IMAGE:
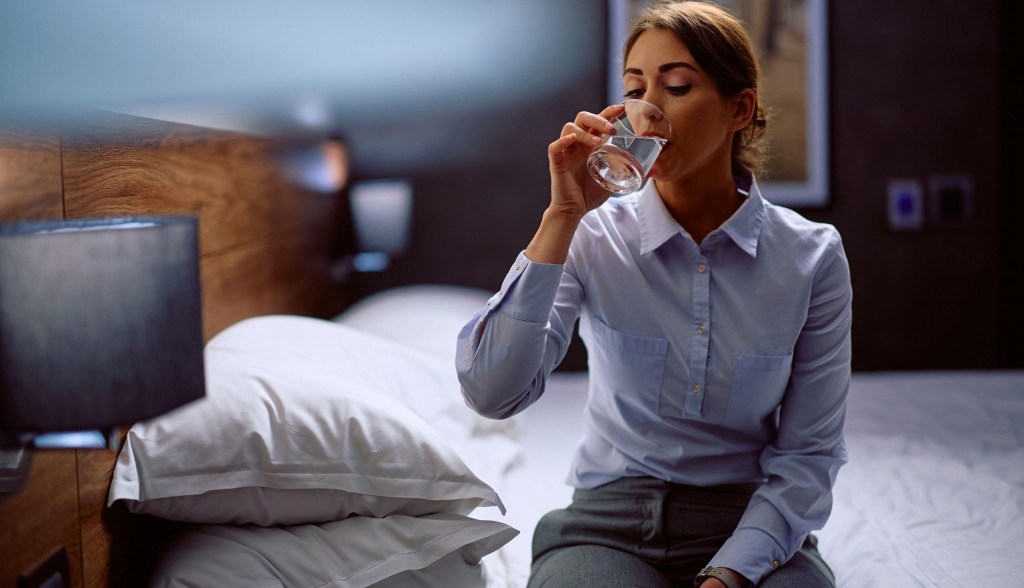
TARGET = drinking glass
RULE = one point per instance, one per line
(622, 162)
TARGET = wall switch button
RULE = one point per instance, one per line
(906, 205)
(950, 199)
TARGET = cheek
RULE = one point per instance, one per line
(698, 138)
(701, 125)
(701, 120)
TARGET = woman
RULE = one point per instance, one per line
(718, 333)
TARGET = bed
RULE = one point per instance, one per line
(333, 447)
(933, 494)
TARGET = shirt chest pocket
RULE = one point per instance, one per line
(758, 385)
(633, 366)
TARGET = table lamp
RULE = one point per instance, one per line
(382, 221)
(100, 325)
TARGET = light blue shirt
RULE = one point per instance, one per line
(717, 363)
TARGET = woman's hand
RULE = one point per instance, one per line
(573, 192)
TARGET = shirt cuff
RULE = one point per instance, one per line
(529, 290)
(751, 552)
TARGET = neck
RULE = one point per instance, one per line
(701, 204)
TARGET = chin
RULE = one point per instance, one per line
(657, 173)
(661, 170)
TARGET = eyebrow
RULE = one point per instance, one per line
(663, 68)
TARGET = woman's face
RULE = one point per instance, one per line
(661, 70)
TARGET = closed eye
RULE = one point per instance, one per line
(678, 90)
(637, 93)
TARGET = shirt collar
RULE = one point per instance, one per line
(656, 224)
(744, 227)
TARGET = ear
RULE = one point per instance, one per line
(744, 109)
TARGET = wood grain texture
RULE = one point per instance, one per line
(119, 549)
(254, 281)
(264, 244)
(95, 468)
(41, 518)
(30, 176)
(121, 165)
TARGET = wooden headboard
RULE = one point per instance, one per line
(264, 248)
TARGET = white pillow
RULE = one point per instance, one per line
(275, 443)
(420, 381)
(426, 317)
(450, 571)
(424, 384)
(441, 550)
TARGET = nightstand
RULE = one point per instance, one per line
(41, 518)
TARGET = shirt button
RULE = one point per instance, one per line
(516, 267)
(712, 236)
(701, 329)
(696, 389)
(775, 563)
(701, 268)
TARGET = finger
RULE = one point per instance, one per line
(581, 133)
(562, 143)
(593, 123)
(558, 147)
(613, 111)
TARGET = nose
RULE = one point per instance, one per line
(647, 119)
(651, 98)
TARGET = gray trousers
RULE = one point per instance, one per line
(649, 533)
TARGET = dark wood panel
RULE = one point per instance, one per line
(95, 468)
(289, 277)
(41, 518)
(30, 181)
(118, 165)
(905, 284)
(264, 243)
(119, 549)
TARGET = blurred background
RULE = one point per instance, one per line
(457, 100)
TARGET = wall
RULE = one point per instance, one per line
(1011, 209)
(913, 93)
(473, 215)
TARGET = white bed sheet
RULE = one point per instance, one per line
(934, 491)
(933, 494)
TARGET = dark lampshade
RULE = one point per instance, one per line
(100, 322)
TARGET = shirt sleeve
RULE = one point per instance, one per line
(507, 350)
(801, 465)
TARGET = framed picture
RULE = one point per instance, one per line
(790, 39)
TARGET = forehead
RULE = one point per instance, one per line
(655, 47)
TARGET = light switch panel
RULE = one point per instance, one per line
(906, 205)
(950, 199)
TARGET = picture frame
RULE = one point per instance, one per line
(790, 37)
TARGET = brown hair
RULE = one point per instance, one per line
(722, 47)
